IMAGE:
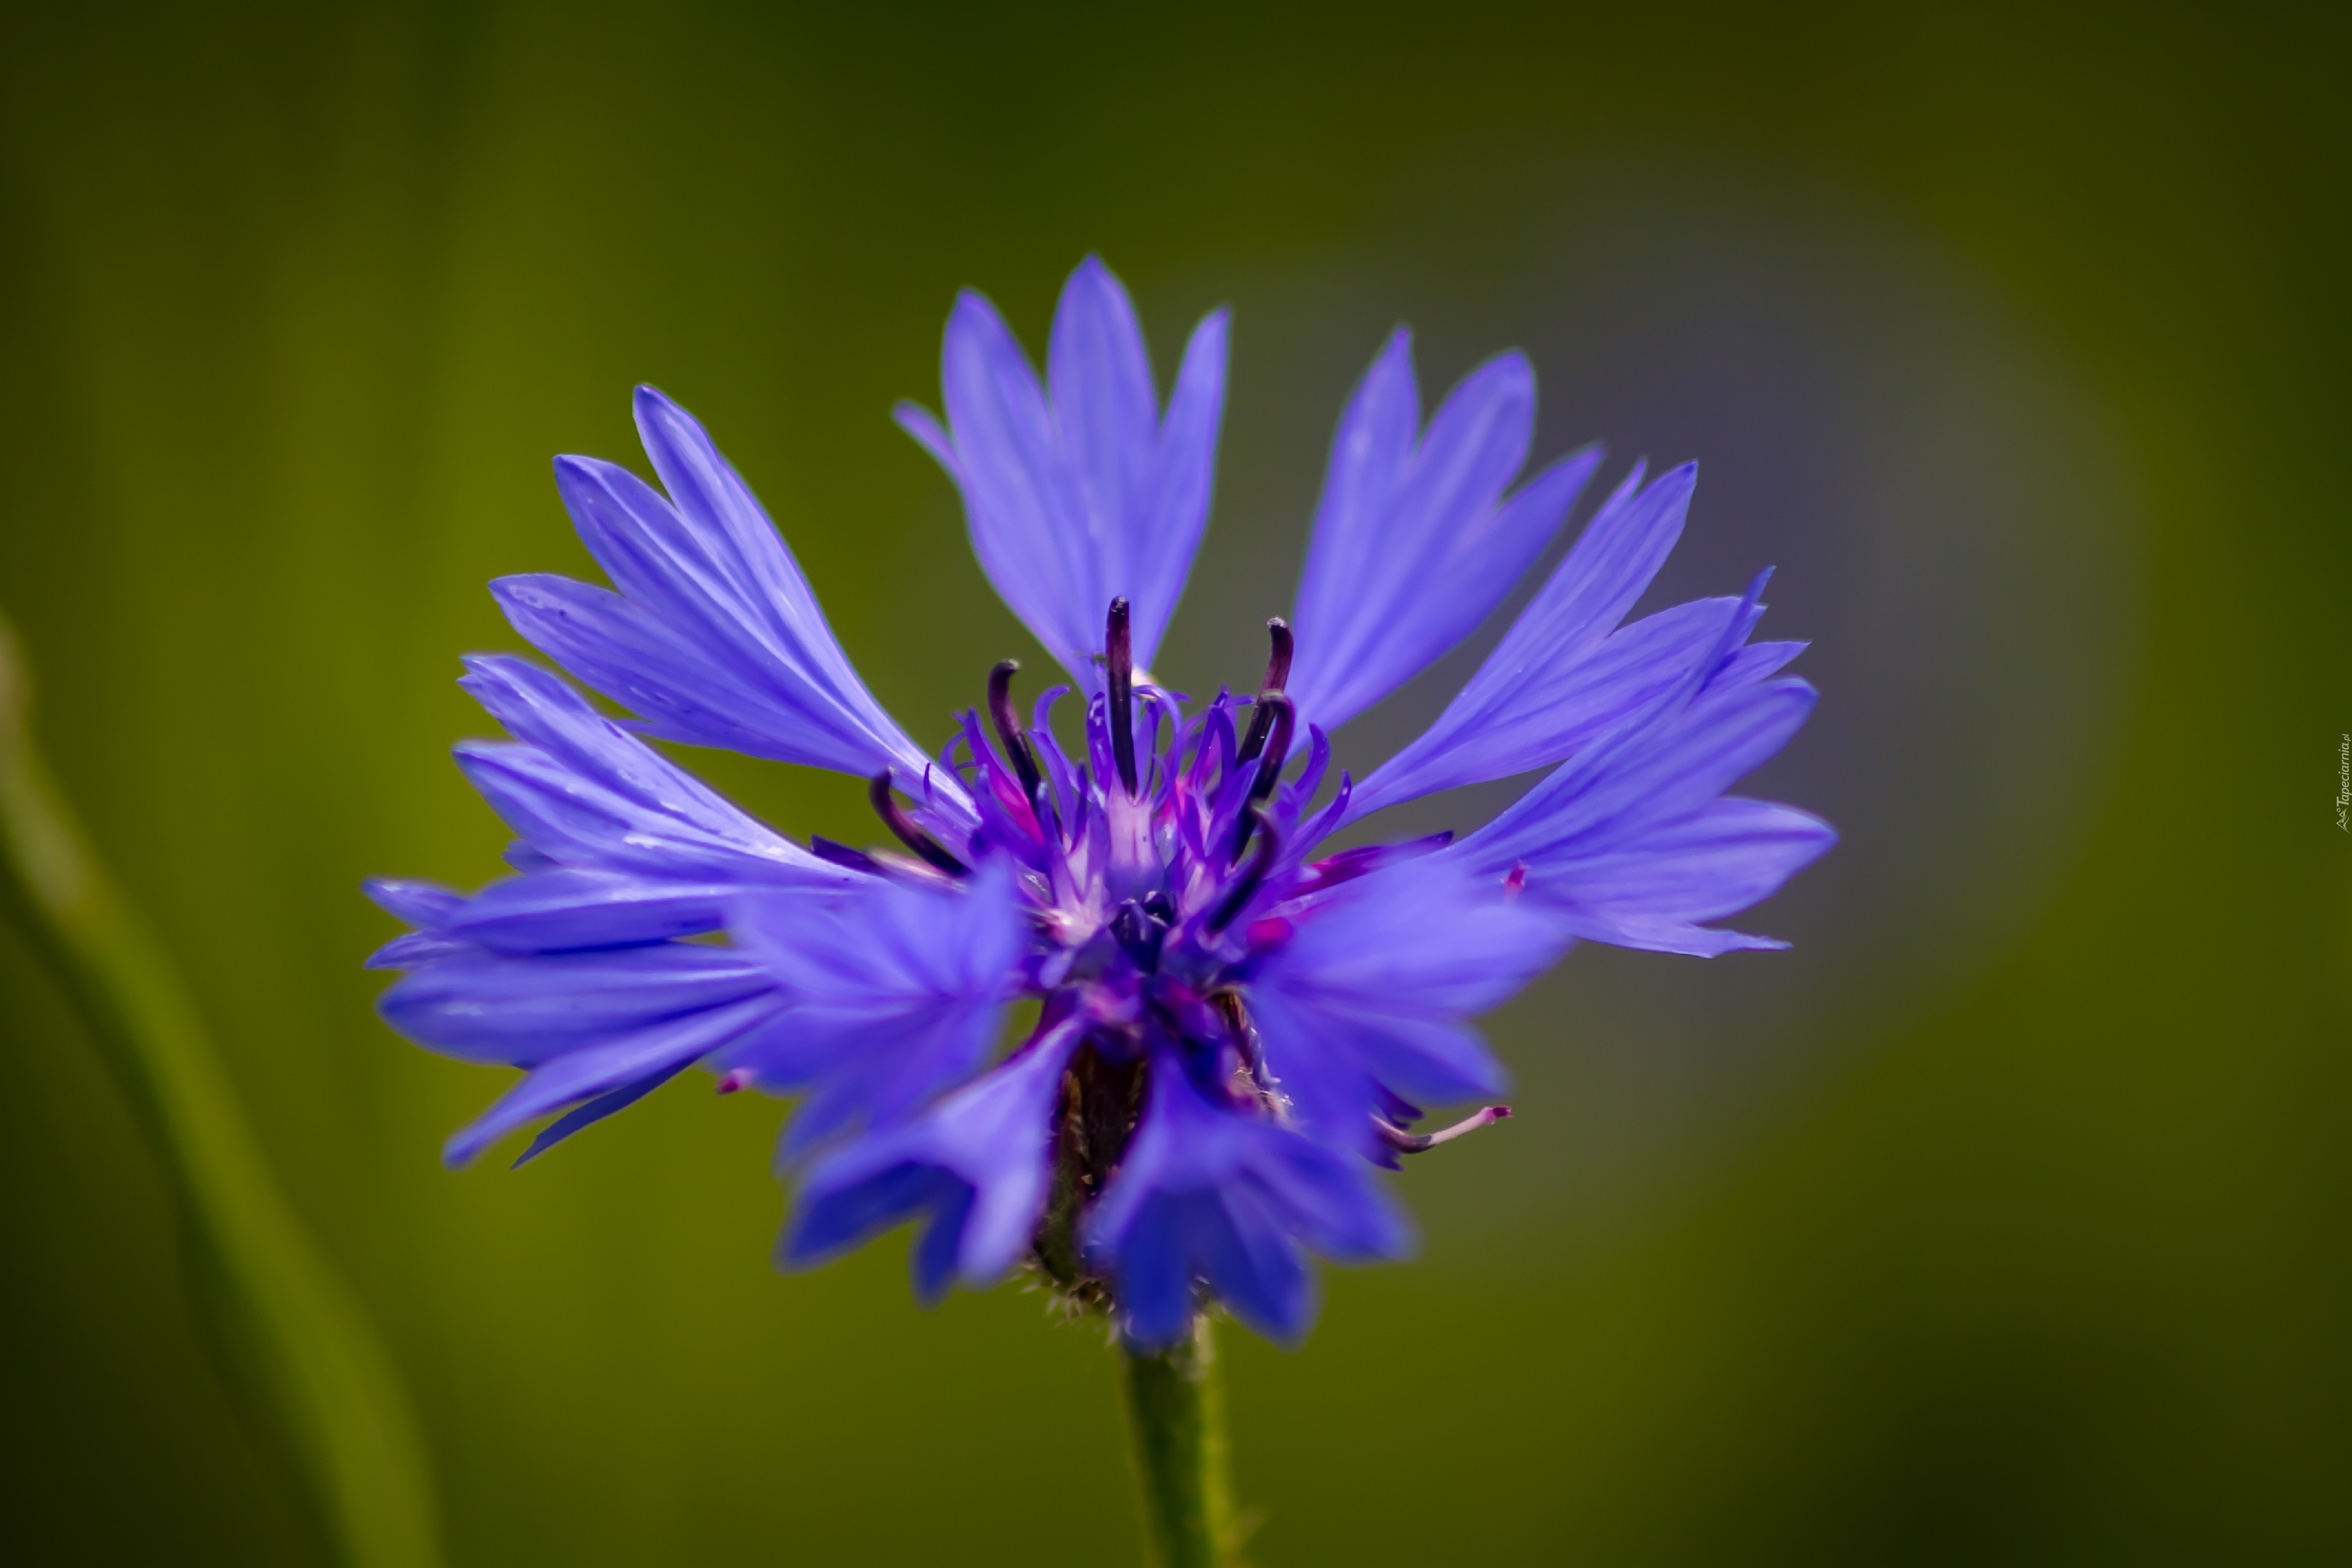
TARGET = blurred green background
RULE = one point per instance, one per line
(2005, 1222)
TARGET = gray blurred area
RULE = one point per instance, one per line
(1950, 526)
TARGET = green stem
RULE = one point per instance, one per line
(303, 1363)
(1176, 1408)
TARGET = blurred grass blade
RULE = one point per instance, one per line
(303, 1363)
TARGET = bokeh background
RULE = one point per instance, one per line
(2003, 1219)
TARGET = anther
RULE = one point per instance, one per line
(904, 829)
(1008, 729)
(1277, 676)
(1277, 665)
(1269, 766)
(1252, 876)
(1118, 663)
(1404, 1143)
(734, 1079)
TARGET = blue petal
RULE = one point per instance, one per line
(1185, 468)
(427, 905)
(619, 649)
(1028, 528)
(1103, 410)
(977, 1162)
(1210, 1193)
(1088, 494)
(714, 636)
(560, 910)
(1241, 1244)
(415, 949)
(1630, 839)
(1413, 543)
(565, 969)
(1336, 1056)
(1425, 934)
(418, 903)
(494, 1007)
(1651, 888)
(588, 795)
(1156, 1266)
(895, 994)
(860, 1201)
(521, 856)
(596, 1109)
(1670, 770)
(1371, 992)
(631, 1058)
(1559, 677)
(933, 1260)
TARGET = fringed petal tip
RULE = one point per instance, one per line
(463, 1147)
(1077, 487)
(594, 1111)
(466, 1145)
(710, 629)
(413, 950)
(419, 903)
(1415, 541)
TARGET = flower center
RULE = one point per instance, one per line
(1154, 869)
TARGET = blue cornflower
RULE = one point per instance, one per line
(1234, 1030)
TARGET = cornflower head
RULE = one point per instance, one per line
(1237, 1028)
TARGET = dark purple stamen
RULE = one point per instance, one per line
(1269, 766)
(1277, 745)
(1404, 1143)
(825, 850)
(1277, 664)
(904, 829)
(1119, 662)
(1277, 676)
(1246, 885)
(1008, 729)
